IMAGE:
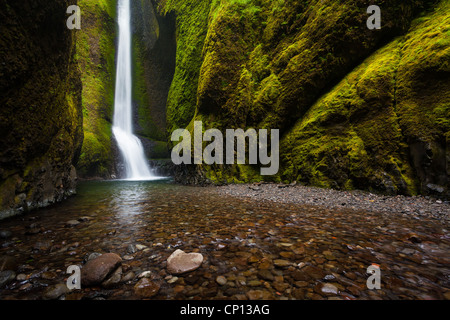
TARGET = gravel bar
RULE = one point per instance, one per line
(414, 206)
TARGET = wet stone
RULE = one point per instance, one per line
(42, 245)
(180, 262)
(314, 272)
(113, 280)
(5, 234)
(71, 223)
(131, 249)
(128, 276)
(282, 263)
(259, 295)
(7, 263)
(141, 247)
(6, 277)
(265, 275)
(172, 280)
(91, 256)
(48, 275)
(282, 251)
(25, 287)
(221, 280)
(145, 288)
(326, 289)
(96, 270)
(254, 283)
(56, 291)
(21, 277)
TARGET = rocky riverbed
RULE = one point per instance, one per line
(414, 207)
(125, 235)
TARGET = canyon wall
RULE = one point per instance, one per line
(40, 105)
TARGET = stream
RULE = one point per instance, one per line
(252, 249)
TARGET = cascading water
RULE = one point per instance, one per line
(130, 146)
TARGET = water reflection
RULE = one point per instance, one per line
(257, 246)
(130, 199)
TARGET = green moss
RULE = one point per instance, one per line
(192, 21)
(351, 138)
(423, 92)
(149, 127)
(354, 137)
(348, 109)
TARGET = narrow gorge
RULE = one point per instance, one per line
(361, 118)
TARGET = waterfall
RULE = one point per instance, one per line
(130, 146)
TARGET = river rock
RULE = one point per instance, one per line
(145, 288)
(6, 277)
(113, 280)
(221, 280)
(7, 263)
(91, 256)
(326, 289)
(48, 275)
(314, 272)
(131, 249)
(259, 295)
(180, 262)
(72, 223)
(282, 263)
(5, 234)
(97, 270)
(56, 291)
(265, 275)
(43, 245)
(128, 277)
(141, 247)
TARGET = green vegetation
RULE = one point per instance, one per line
(41, 119)
(357, 108)
(192, 23)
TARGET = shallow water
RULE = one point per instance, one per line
(263, 249)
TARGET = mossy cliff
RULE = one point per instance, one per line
(96, 59)
(96, 55)
(357, 108)
(40, 105)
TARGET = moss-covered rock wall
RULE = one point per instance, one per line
(40, 105)
(95, 55)
(357, 108)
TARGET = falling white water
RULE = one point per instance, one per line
(130, 146)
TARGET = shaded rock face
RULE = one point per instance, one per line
(154, 45)
(40, 114)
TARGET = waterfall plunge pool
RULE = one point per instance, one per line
(259, 249)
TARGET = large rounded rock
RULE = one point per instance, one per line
(181, 262)
(98, 269)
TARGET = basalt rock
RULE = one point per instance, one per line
(40, 97)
